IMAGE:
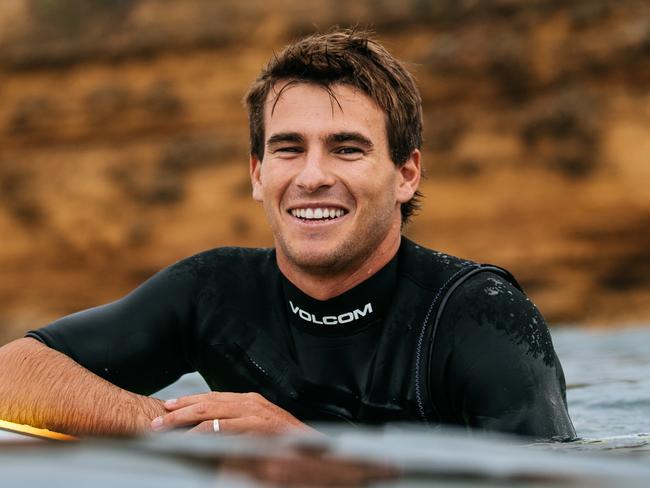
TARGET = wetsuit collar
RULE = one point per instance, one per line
(347, 313)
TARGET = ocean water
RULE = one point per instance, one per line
(608, 380)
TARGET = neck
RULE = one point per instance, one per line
(323, 286)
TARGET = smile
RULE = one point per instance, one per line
(317, 213)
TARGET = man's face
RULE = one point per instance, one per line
(330, 190)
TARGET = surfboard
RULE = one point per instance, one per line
(12, 432)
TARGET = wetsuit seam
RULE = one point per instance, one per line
(418, 351)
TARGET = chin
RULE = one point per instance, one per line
(317, 260)
(315, 257)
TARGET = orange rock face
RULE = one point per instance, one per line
(123, 142)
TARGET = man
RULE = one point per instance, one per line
(343, 320)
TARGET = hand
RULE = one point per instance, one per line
(238, 413)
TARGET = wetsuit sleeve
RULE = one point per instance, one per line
(139, 342)
(502, 373)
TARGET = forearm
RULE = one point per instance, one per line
(44, 388)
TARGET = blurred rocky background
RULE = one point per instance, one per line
(123, 141)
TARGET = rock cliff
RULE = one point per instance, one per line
(123, 141)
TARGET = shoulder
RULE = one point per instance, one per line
(225, 273)
(492, 311)
(223, 262)
(429, 268)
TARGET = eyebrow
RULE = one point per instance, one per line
(337, 138)
(349, 137)
(285, 137)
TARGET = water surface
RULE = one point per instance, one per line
(608, 379)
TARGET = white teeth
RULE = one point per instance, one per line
(317, 213)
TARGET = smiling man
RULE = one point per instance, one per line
(345, 319)
(330, 190)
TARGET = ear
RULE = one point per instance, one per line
(409, 177)
(256, 182)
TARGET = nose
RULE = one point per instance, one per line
(314, 173)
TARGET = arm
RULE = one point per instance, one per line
(85, 374)
(44, 388)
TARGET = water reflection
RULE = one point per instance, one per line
(309, 468)
(396, 456)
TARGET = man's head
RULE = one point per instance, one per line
(335, 130)
(346, 57)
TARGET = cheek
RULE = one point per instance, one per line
(274, 184)
(375, 186)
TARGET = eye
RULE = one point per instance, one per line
(349, 151)
(287, 150)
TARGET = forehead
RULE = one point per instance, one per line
(303, 107)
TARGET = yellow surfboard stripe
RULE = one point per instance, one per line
(34, 431)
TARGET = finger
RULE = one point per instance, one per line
(176, 403)
(232, 426)
(205, 427)
(196, 413)
(184, 401)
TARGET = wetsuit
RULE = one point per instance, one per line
(428, 338)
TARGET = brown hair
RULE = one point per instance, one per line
(351, 57)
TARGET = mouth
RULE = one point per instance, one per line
(317, 214)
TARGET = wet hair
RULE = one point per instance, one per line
(350, 57)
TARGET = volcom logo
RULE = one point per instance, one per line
(344, 318)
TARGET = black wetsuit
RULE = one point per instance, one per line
(428, 338)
